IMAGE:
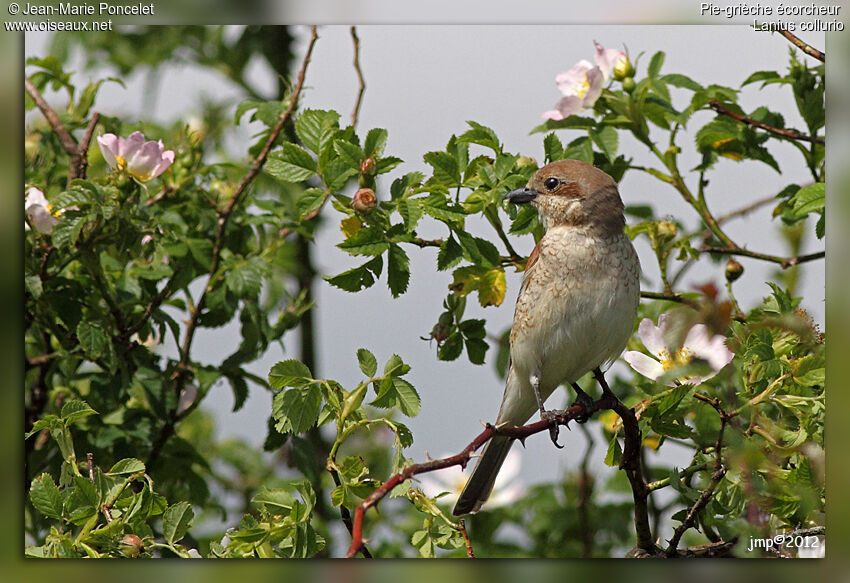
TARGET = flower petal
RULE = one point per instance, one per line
(132, 144)
(652, 336)
(109, 145)
(568, 106)
(147, 162)
(607, 59)
(595, 81)
(643, 364)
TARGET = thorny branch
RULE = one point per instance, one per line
(181, 373)
(631, 463)
(790, 134)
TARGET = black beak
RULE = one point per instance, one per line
(521, 195)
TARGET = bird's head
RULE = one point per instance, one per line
(573, 193)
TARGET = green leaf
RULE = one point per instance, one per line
(375, 142)
(348, 152)
(449, 255)
(451, 347)
(809, 199)
(553, 147)
(315, 128)
(309, 201)
(67, 231)
(482, 135)
(398, 270)
(276, 501)
(677, 80)
(292, 164)
(367, 361)
(809, 371)
(368, 241)
(176, 521)
(74, 410)
(606, 139)
(446, 169)
(45, 496)
(655, 64)
(126, 466)
(614, 455)
(244, 278)
(411, 211)
(408, 398)
(395, 367)
(289, 373)
(766, 76)
(357, 278)
(297, 409)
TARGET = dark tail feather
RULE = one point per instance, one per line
(480, 484)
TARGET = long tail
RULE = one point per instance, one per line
(480, 484)
(518, 405)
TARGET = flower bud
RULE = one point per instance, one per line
(666, 230)
(629, 84)
(364, 201)
(733, 270)
(368, 167)
(131, 546)
(623, 69)
(524, 161)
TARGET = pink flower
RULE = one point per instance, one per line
(697, 344)
(612, 62)
(582, 85)
(39, 211)
(140, 159)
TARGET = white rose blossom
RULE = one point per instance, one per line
(697, 344)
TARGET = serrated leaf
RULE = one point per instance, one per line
(606, 140)
(615, 453)
(176, 521)
(292, 164)
(411, 211)
(367, 361)
(350, 225)
(398, 270)
(553, 147)
(449, 255)
(809, 199)
(375, 142)
(482, 135)
(446, 169)
(677, 80)
(765, 76)
(315, 128)
(297, 409)
(490, 284)
(348, 152)
(407, 397)
(74, 410)
(368, 241)
(45, 496)
(289, 373)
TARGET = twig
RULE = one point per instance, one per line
(68, 143)
(672, 297)
(345, 515)
(362, 83)
(83, 148)
(182, 369)
(784, 262)
(803, 46)
(461, 524)
(790, 134)
(90, 460)
(719, 472)
(77, 153)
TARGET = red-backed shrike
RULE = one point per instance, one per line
(576, 307)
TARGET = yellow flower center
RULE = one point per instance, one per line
(681, 357)
(55, 213)
(121, 162)
(582, 87)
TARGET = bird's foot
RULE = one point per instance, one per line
(553, 429)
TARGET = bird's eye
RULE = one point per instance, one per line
(551, 183)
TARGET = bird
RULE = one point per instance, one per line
(576, 307)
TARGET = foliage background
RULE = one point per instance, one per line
(547, 99)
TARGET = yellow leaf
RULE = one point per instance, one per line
(350, 225)
(491, 291)
(719, 143)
